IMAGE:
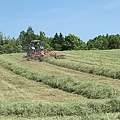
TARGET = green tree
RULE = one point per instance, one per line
(29, 35)
(56, 42)
(1, 49)
(26, 37)
(61, 41)
(73, 42)
(44, 41)
(114, 41)
(100, 42)
(42, 38)
(90, 44)
(1, 38)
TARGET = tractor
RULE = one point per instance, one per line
(36, 51)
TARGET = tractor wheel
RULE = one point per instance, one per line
(28, 59)
(40, 59)
(58, 57)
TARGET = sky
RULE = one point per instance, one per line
(85, 19)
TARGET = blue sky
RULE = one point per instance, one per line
(83, 18)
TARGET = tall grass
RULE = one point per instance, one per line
(66, 83)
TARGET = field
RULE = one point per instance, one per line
(84, 85)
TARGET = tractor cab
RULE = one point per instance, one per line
(35, 50)
(36, 45)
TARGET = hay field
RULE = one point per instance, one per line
(83, 85)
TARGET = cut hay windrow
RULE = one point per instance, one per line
(43, 109)
(92, 90)
(99, 62)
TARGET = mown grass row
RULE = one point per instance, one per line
(91, 90)
(92, 69)
(98, 62)
(42, 109)
(90, 117)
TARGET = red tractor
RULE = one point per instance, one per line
(36, 51)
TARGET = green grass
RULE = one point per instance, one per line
(53, 69)
(42, 109)
(28, 87)
(66, 83)
(15, 88)
(108, 116)
(100, 62)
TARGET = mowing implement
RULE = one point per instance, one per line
(36, 51)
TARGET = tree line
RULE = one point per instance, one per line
(58, 42)
(103, 42)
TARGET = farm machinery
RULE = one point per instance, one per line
(36, 51)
